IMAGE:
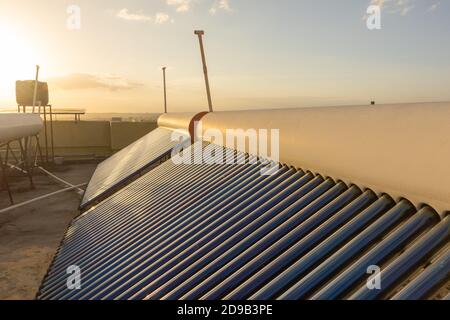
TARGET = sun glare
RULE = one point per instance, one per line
(17, 61)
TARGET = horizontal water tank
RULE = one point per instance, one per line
(14, 126)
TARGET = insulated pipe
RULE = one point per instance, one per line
(41, 198)
(59, 179)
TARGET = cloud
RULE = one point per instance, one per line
(180, 5)
(126, 15)
(401, 7)
(220, 5)
(224, 5)
(159, 18)
(80, 81)
(186, 5)
(434, 6)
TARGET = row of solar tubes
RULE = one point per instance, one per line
(215, 231)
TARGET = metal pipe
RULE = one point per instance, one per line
(17, 168)
(59, 179)
(200, 34)
(35, 87)
(16, 206)
(51, 133)
(45, 134)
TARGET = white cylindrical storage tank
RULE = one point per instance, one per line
(14, 126)
(402, 149)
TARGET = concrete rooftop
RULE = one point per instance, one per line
(30, 235)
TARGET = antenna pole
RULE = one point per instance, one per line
(200, 34)
(165, 92)
(35, 87)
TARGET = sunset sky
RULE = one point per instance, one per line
(260, 53)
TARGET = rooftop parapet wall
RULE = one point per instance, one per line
(401, 149)
(125, 133)
(87, 139)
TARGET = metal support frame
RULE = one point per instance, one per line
(48, 132)
(26, 163)
(24, 150)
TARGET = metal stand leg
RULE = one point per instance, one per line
(26, 162)
(38, 151)
(45, 134)
(5, 178)
(51, 134)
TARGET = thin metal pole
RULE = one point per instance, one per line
(35, 87)
(51, 134)
(200, 34)
(24, 151)
(45, 134)
(165, 92)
